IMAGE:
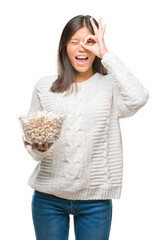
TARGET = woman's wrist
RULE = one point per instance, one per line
(104, 52)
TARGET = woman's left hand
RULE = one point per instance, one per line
(98, 47)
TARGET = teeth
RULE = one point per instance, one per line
(82, 57)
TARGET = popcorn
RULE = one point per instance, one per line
(42, 126)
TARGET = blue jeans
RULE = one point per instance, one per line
(92, 218)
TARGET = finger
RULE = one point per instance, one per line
(90, 37)
(50, 144)
(40, 146)
(26, 143)
(100, 25)
(32, 144)
(103, 31)
(86, 47)
(94, 25)
(45, 146)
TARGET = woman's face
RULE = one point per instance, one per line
(80, 58)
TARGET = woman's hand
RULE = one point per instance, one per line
(39, 146)
(99, 47)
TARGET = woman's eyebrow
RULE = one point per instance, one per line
(74, 38)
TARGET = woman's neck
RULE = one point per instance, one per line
(82, 76)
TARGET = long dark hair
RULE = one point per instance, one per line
(66, 72)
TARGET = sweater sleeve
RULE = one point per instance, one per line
(34, 107)
(128, 93)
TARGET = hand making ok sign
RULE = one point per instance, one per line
(99, 47)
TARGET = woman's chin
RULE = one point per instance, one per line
(81, 69)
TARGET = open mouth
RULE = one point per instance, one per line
(81, 60)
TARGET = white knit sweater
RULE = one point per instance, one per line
(86, 161)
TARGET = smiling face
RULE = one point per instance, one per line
(80, 58)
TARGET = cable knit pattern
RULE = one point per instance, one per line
(86, 162)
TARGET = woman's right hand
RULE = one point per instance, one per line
(42, 147)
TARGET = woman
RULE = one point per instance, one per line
(81, 172)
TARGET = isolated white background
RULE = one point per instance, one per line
(136, 32)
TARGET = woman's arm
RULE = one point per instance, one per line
(128, 93)
(34, 107)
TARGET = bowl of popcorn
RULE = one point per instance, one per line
(41, 126)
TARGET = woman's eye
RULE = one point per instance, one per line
(90, 41)
(74, 42)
